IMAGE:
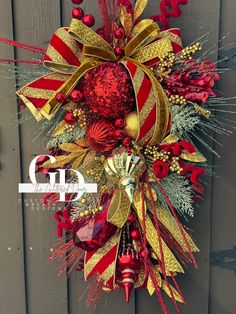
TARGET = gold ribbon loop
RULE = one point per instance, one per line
(86, 35)
(141, 38)
(60, 68)
(158, 48)
(100, 53)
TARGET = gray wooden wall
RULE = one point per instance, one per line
(28, 284)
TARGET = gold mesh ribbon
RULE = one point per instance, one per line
(119, 208)
(172, 264)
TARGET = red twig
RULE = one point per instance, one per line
(157, 289)
(178, 288)
(144, 228)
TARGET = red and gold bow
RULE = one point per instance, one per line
(76, 50)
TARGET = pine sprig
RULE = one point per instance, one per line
(179, 192)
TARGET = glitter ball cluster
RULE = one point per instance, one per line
(109, 91)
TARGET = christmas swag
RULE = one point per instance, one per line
(125, 102)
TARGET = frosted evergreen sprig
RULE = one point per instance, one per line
(179, 192)
(184, 119)
(65, 137)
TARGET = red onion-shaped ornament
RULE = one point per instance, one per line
(100, 135)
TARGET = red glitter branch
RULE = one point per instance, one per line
(23, 45)
(37, 62)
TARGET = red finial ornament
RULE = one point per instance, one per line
(132, 218)
(128, 265)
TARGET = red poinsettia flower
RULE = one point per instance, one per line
(193, 173)
(177, 148)
(194, 81)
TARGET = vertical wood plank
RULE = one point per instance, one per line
(223, 280)
(35, 22)
(109, 303)
(12, 281)
(199, 17)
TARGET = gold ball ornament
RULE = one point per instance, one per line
(132, 125)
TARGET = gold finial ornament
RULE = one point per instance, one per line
(124, 169)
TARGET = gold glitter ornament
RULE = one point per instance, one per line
(132, 125)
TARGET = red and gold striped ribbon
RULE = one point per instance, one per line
(103, 261)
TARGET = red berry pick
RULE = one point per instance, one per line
(78, 13)
(77, 1)
(88, 20)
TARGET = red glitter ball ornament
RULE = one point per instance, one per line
(119, 33)
(100, 135)
(77, 1)
(132, 218)
(119, 134)
(119, 51)
(134, 234)
(60, 97)
(88, 20)
(108, 90)
(145, 253)
(76, 95)
(78, 13)
(127, 141)
(120, 123)
(69, 118)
